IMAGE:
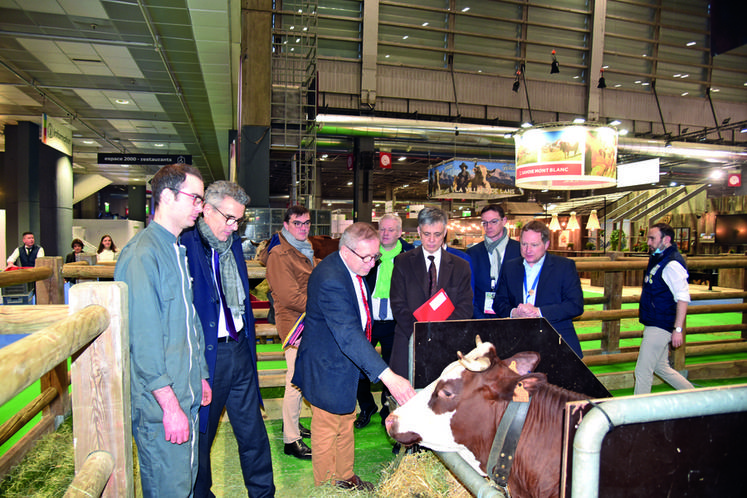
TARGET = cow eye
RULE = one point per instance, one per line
(445, 393)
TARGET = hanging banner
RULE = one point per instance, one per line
(566, 157)
(57, 134)
(154, 159)
(472, 179)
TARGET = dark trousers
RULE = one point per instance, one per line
(382, 333)
(234, 388)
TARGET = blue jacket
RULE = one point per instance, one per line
(334, 349)
(207, 303)
(480, 264)
(559, 295)
(657, 306)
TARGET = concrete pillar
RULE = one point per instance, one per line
(136, 202)
(38, 185)
(363, 151)
(253, 171)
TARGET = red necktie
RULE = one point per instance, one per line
(368, 311)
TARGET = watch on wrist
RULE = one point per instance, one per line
(678, 329)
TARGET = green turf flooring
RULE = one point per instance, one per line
(293, 477)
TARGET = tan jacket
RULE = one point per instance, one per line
(288, 275)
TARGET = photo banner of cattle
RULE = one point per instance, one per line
(575, 157)
(472, 179)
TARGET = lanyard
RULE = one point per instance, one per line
(529, 294)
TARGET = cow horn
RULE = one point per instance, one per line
(473, 364)
(478, 341)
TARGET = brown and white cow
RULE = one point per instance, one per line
(461, 410)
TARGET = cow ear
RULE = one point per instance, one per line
(528, 385)
(523, 363)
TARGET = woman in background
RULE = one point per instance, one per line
(77, 246)
(107, 250)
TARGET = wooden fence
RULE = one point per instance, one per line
(93, 330)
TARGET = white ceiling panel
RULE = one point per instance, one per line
(46, 6)
(13, 95)
(84, 8)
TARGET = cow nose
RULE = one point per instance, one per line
(390, 421)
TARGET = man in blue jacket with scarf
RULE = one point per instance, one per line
(662, 310)
(221, 297)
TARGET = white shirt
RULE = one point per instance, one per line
(436, 260)
(531, 275)
(15, 255)
(675, 276)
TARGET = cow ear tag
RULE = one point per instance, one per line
(520, 394)
(512, 366)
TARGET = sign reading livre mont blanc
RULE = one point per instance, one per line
(155, 159)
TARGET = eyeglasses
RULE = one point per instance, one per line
(493, 222)
(297, 224)
(197, 200)
(366, 259)
(230, 220)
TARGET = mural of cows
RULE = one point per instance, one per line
(462, 409)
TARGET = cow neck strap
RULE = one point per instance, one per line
(503, 451)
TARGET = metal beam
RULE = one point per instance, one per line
(632, 202)
(657, 205)
(672, 206)
(637, 207)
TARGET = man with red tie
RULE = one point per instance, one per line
(335, 349)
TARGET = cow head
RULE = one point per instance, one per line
(461, 410)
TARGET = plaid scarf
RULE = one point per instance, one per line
(229, 272)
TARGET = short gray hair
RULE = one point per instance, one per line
(394, 217)
(358, 232)
(431, 215)
(217, 191)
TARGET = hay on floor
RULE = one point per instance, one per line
(420, 475)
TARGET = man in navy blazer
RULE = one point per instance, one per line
(335, 349)
(487, 257)
(231, 355)
(410, 283)
(541, 285)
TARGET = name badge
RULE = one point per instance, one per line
(488, 309)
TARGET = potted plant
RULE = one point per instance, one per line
(617, 239)
(590, 246)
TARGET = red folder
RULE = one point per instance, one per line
(437, 309)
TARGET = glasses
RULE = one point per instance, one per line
(491, 222)
(366, 259)
(297, 224)
(197, 200)
(230, 220)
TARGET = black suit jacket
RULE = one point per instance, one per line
(334, 349)
(410, 290)
(559, 295)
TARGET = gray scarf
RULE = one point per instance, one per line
(229, 272)
(303, 246)
(493, 245)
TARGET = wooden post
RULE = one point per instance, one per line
(101, 393)
(51, 290)
(613, 284)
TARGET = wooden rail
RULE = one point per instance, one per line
(95, 334)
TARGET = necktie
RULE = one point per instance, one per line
(383, 305)
(432, 277)
(226, 310)
(368, 310)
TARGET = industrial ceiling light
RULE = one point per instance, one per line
(573, 222)
(602, 83)
(554, 69)
(593, 223)
(554, 223)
